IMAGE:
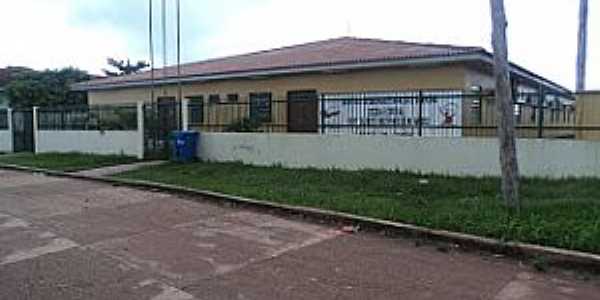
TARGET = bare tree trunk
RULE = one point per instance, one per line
(582, 45)
(505, 107)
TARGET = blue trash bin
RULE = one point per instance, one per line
(184, 146)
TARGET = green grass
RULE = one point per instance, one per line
(68, 162)
(563, 213)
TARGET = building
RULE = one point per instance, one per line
(316, 87)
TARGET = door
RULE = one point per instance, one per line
(23, 140)
(303, 112)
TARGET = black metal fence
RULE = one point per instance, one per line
(122, 117)
(419, 113)
(4, 119)
(160, 119)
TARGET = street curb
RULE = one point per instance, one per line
(551, 256)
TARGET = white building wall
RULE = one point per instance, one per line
(444, 156)
(96, 142)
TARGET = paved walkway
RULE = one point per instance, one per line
(68, 239)
(107, 171)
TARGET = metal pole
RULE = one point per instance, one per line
(164, 40)
(151, 47)
(582, 45)
(420, 120)
(179, 87)
(152, 72)
(322, 114)
(541, 101)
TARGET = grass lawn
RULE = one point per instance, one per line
(69, 162)
(562, 213)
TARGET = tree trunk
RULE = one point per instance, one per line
(582, 45)
(505, 108)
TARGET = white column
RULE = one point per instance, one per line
(184, 114)
(35, 130)
(140, 129)
(10, 130)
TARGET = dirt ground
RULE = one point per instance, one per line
(69, 239)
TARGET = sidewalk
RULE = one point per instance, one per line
(108, 171)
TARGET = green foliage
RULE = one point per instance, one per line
(46, 88)
(124, 67)
(69, 162)
(244, 125)
(560, 213)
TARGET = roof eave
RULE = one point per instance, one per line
(349, 66)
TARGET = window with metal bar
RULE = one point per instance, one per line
(260, 107)
(196, 110)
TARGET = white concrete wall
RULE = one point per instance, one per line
(6, 141)
(96, 142)
(446, 156)
(6, 136)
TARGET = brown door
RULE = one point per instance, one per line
(303, 112)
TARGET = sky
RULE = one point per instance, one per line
(542, 34)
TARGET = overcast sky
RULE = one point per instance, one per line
(57, 33)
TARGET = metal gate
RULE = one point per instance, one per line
(160, 119)
(23, 140)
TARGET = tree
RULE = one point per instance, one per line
(504, 104)
(582, 45)
(124, 67)
(46, 88)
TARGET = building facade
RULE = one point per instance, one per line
(333, 86)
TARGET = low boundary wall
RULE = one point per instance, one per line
(6, 135)
(445, 156)
(6, 141)
(96, 142)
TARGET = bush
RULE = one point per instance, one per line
(244, 125)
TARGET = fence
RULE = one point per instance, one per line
(90, 129)
(418, 113)
(3, 119)
(98, 118)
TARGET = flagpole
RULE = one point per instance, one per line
(179, 87)
(164, 40)
(151, 48)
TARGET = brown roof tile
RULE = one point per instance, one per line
(329, 52)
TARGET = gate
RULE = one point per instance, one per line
(160, 119)
(23, 140)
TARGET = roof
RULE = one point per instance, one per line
(345, 52)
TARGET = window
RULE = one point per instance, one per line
(196, 110)
(232, 98)
(214, 99)
(260, 107)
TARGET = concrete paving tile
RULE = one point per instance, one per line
(24, 241)
(81, 274)
(363, 267)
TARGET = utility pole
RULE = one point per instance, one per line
(505, 108)
(582, 45)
